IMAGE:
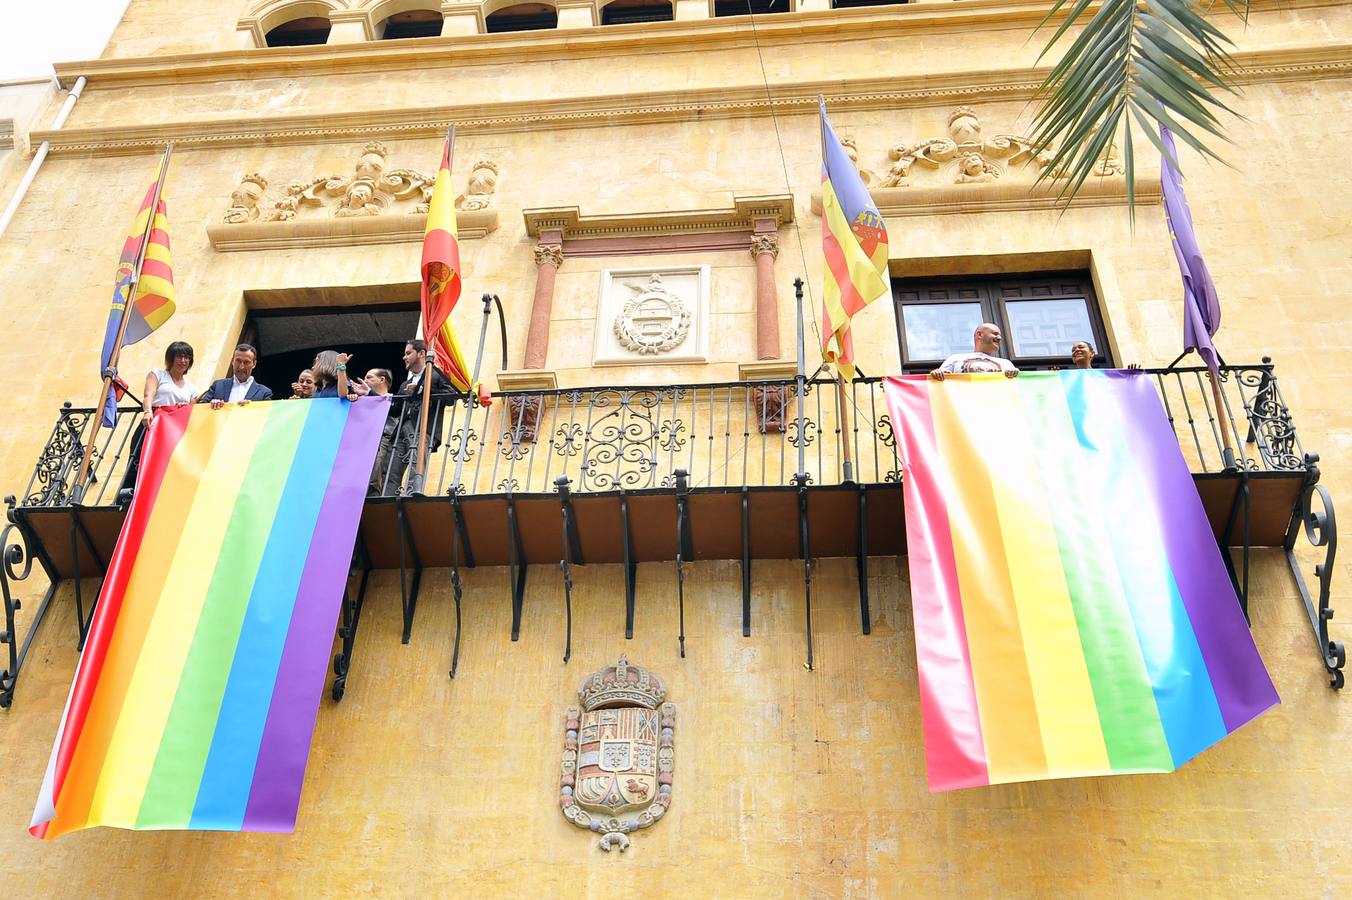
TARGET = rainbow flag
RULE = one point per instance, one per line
(1073, 615)
(196, 696)
(854, 246)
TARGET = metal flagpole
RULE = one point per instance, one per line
(801, 378)
(77, 490)
(474, 380)
(847, 461)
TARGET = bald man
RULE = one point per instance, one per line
(983, 358)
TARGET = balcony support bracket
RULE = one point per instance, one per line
(572, 554)
(16, 549)
(746, 562)
(630, 567)
(516, 566)
(459, 544)
(685, 547)
(861, 562)
(805, 552)
(1320, 530)
(351, 621)
(408, 590)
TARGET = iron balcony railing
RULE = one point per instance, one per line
(731, 434)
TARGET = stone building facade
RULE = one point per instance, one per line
(641, 198)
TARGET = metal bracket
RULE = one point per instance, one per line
(805, 551)
(572, 553)
(352, 608)
(78, 532)
(1321, 530)
(12, 555)
(1243, 500)
(408, 591)
(630, 568)
(517, 567)
(684, 547)
(746, 562)
(861, 561)
(459, 538)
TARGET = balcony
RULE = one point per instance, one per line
(626, 474)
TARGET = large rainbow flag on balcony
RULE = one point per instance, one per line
(1073, 615)
(196, 696)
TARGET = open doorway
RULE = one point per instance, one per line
(288, 339)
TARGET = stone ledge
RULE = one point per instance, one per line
(332, 232)
(569, 221)
(951, 199)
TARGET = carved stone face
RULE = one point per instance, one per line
(482, 180)
(370, 165)
(965, 128)
(972, 165)
(359, 196)
(246, 195)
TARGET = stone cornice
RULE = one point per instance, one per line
(572, 225)
(1286, 64)
(695, 34)
(1003, 196)
(335, 232)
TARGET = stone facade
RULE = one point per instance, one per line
(792, 782)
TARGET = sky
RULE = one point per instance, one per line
(33, 35)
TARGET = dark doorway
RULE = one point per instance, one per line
(288, 339)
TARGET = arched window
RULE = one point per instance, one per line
(749, 7)
(300, 32)
(415, 23)
(523, 17)
(623, 12)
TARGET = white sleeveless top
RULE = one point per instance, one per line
(170, 394)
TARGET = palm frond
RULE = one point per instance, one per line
(1134, 64)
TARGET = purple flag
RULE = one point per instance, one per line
(1201, 307)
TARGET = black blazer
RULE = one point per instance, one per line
(220, 390)
(411, 412)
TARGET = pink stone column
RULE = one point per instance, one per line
(765, 247)
(548, 258)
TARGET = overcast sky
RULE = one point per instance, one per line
(33, 35)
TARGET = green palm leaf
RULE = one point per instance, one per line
(1134, 64)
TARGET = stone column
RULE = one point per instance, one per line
(458, 18)
(765, 247)
(350, 27)
(577, 14)
(548, 258)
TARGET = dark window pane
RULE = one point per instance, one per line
(299, 33)
(935, 330)
(415, 23)
(1047, 327)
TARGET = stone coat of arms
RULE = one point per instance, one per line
(653, 321)
(618, 753)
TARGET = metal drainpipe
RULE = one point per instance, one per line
(41, 155)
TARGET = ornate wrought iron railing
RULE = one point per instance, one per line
(731, 434)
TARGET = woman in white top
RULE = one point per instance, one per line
(169, 386)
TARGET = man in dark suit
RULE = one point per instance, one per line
(240, 387)
(407, 417)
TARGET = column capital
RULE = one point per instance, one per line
(762, 244)
(548, 254)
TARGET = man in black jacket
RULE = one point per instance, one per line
(240, 387)
(404, 435)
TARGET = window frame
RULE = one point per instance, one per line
(994, 299)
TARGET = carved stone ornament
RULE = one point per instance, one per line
(370, 190)
(765, 243)
(654, 320)
(618, 754)
(965, 156)
(549, 255)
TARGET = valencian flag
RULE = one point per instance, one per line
(154, 301)
(1201, 306)
(441, 282)
(854, 242)
(1073, 614)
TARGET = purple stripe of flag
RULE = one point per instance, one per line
(285, 748)
(1242, 685)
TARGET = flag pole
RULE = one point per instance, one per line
(1229, 452)
(420, 469)
(847, 459)
(473, 381)
(77, 490)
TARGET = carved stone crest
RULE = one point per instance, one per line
(618, 754)
(965, 156)
(654, 320)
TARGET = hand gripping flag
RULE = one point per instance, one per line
(854, 242)
(441, 282)
(1201, 306)
(154, 301)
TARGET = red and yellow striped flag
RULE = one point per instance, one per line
(441, 282)
(154, 302)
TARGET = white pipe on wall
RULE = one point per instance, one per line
(27, 181)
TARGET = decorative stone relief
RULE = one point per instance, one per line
(369, 191)
(852, 151)
(618, 754)
(549, 255)
(765, 243)
(653, 315)
(965, 156)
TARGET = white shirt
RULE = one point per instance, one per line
(975, 361)
(239, 390)
(170, 394)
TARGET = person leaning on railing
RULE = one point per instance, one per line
(982, 358)
(1082, 356)
(164, 387)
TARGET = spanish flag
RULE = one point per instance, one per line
(441, 282)
(854, 242)
(154, 301)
